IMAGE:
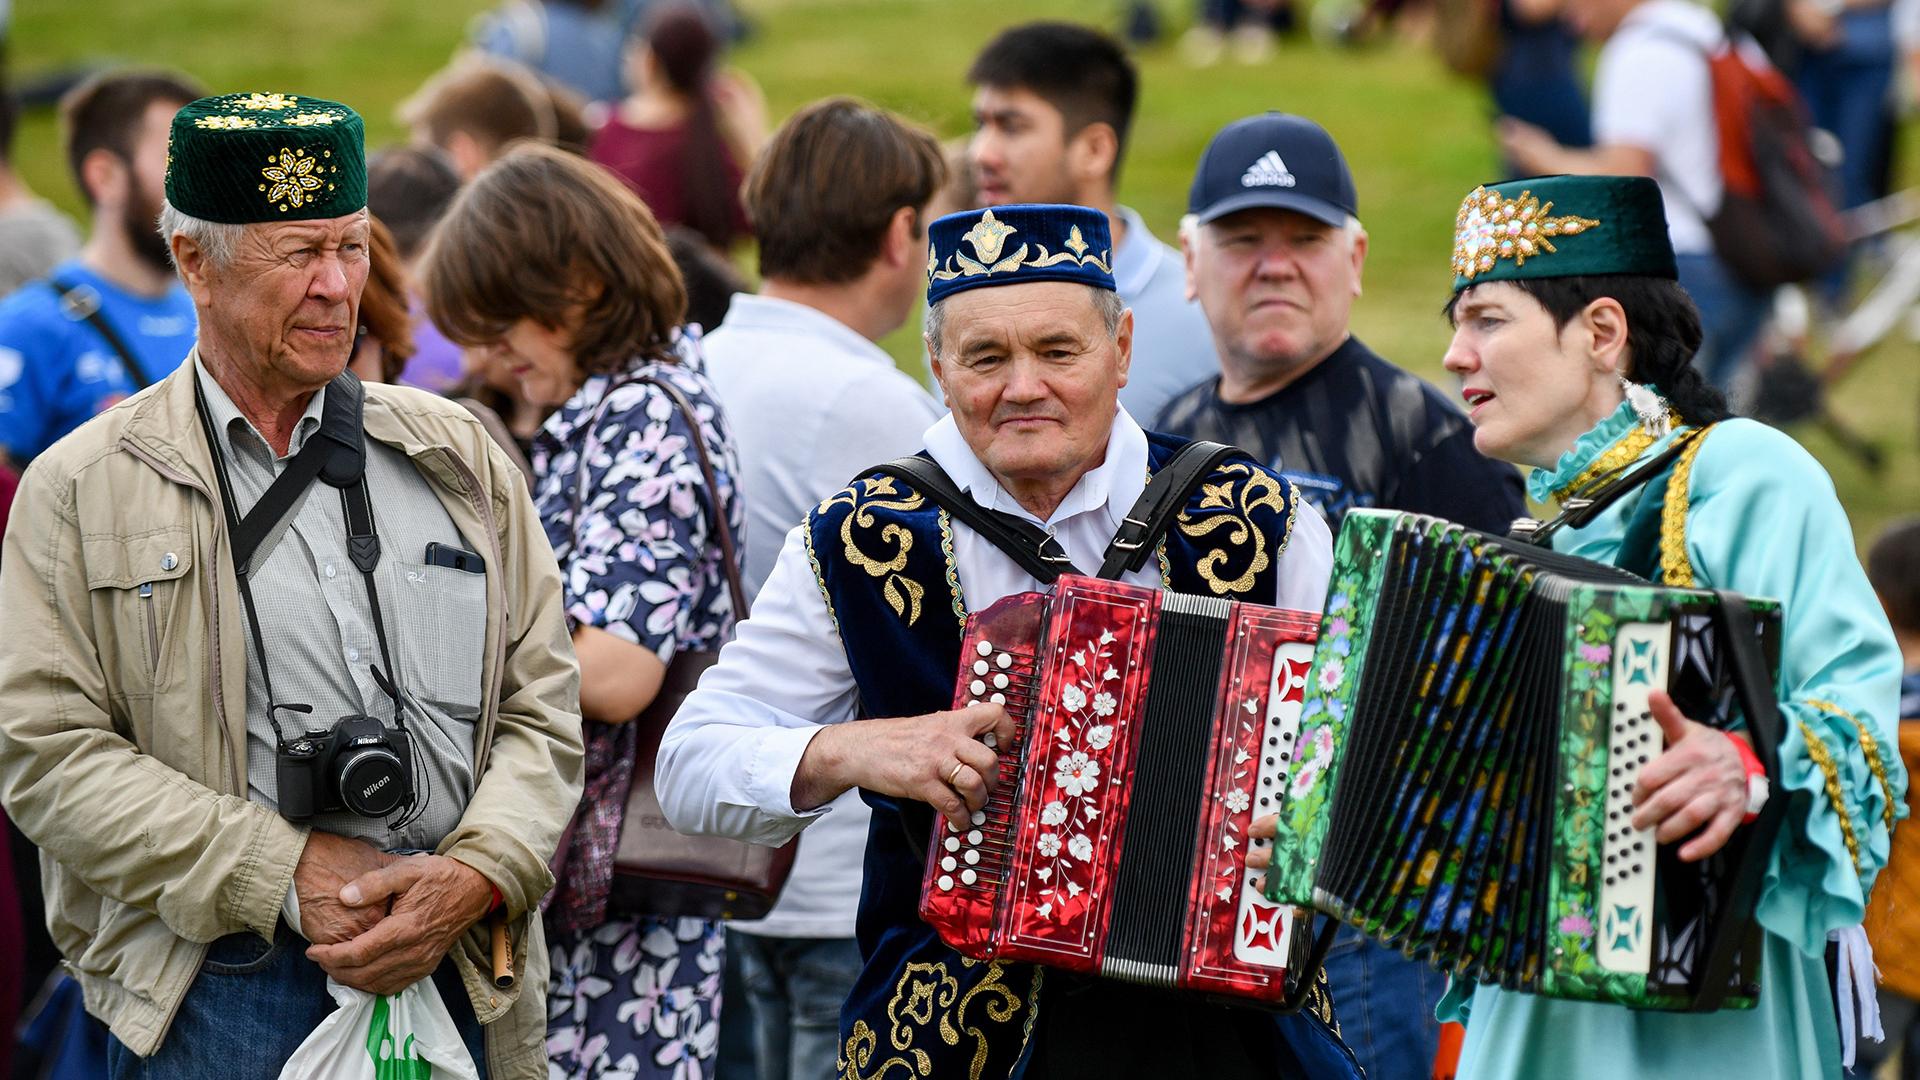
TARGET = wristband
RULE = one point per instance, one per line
(1757, 789)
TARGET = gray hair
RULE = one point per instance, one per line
(1105, 301)
(1352, 229)
(217, 239)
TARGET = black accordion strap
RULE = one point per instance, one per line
(1165, 495)
(1753, 687)
(1300, 978)
(1033, 548)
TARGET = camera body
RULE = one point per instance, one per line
(361, 766)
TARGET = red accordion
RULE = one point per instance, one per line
(1151, 728)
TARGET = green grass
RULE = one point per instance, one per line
(1415, 136)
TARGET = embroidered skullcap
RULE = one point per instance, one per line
(241, 158)
(1561, 226)
(1010, 245)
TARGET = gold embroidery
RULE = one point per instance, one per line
(1676, 567)
(312, 119)
(953, 567)
(902, 593)
(819, 576)
(1489, 228)
(1872, 747)
(928, 997)
(223, 123)
(292, 177)
(1817, 750)
(988, 238)
(264, 101)
(1622, 453)
(1240, 498)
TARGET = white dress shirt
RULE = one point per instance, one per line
(812, 404)
(727, 760)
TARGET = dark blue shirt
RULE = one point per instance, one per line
(1357, 431)
(57, 371)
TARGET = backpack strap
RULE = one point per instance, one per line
(81, 303)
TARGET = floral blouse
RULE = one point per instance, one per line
(638, 561)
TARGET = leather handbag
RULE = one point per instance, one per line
(656, 869)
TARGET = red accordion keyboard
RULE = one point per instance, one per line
(1150, 729)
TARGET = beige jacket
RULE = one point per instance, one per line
(122, 710)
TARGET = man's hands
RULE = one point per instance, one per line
(938, 759)
(416, 906)
(1698, 783)
(326, 865)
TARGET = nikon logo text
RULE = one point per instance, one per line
(367, 792)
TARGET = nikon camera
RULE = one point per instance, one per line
(359, 766)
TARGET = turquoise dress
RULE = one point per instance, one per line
(1760, 517)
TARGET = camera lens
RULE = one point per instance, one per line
(372, 779)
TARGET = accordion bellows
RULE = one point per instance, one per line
(1151, 729)
(1473, 729)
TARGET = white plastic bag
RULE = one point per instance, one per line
(409, 1036)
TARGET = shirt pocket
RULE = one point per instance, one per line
(441, 615)
(136, 585)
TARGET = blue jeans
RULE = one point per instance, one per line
(251, 1007)
(1732, 314)
(795, 987)
(1384, 1003)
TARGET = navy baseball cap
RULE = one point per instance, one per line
(1273, 160)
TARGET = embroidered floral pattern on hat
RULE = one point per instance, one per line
(223, 123)
(264, 101)
(988, 238)
(311, 119)
(294, 174)
(1490, 228)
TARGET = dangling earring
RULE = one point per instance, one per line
(1650, 407)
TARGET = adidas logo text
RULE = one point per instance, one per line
(1269, 171)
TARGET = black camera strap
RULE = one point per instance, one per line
(336, 454)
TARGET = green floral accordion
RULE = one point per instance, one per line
(1461, 781)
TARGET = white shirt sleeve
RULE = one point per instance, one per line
(728, 759)
(1307, 565)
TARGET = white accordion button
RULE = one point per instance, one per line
(1000, 682)
(981, 667)
(974, 837)
(1003, 660)
(953, 842)
(972, 857)
(976, 688)
(968, 877)
(949, 862)
(998, 699)
(992, 740)
(985, 648)
(979, 817)
(946, 882)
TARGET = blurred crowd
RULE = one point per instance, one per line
(528, 142)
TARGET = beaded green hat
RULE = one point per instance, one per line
(1561, 226)
(242, 158)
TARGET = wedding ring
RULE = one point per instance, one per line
(953, 778)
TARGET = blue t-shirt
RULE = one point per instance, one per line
(56, 372)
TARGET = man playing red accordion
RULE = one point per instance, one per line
(843, 675)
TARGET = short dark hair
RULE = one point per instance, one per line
(533, 237)
(1078, 70)
(1893, 566)
(493, 100)
(711, 280)
(1663, 333)
(408, 188)
(820, 195)
(105, 112)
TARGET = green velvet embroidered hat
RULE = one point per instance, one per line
(242, 158)
(1561, 226)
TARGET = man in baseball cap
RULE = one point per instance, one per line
(1274, 253)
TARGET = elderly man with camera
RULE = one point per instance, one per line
(286, 657)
